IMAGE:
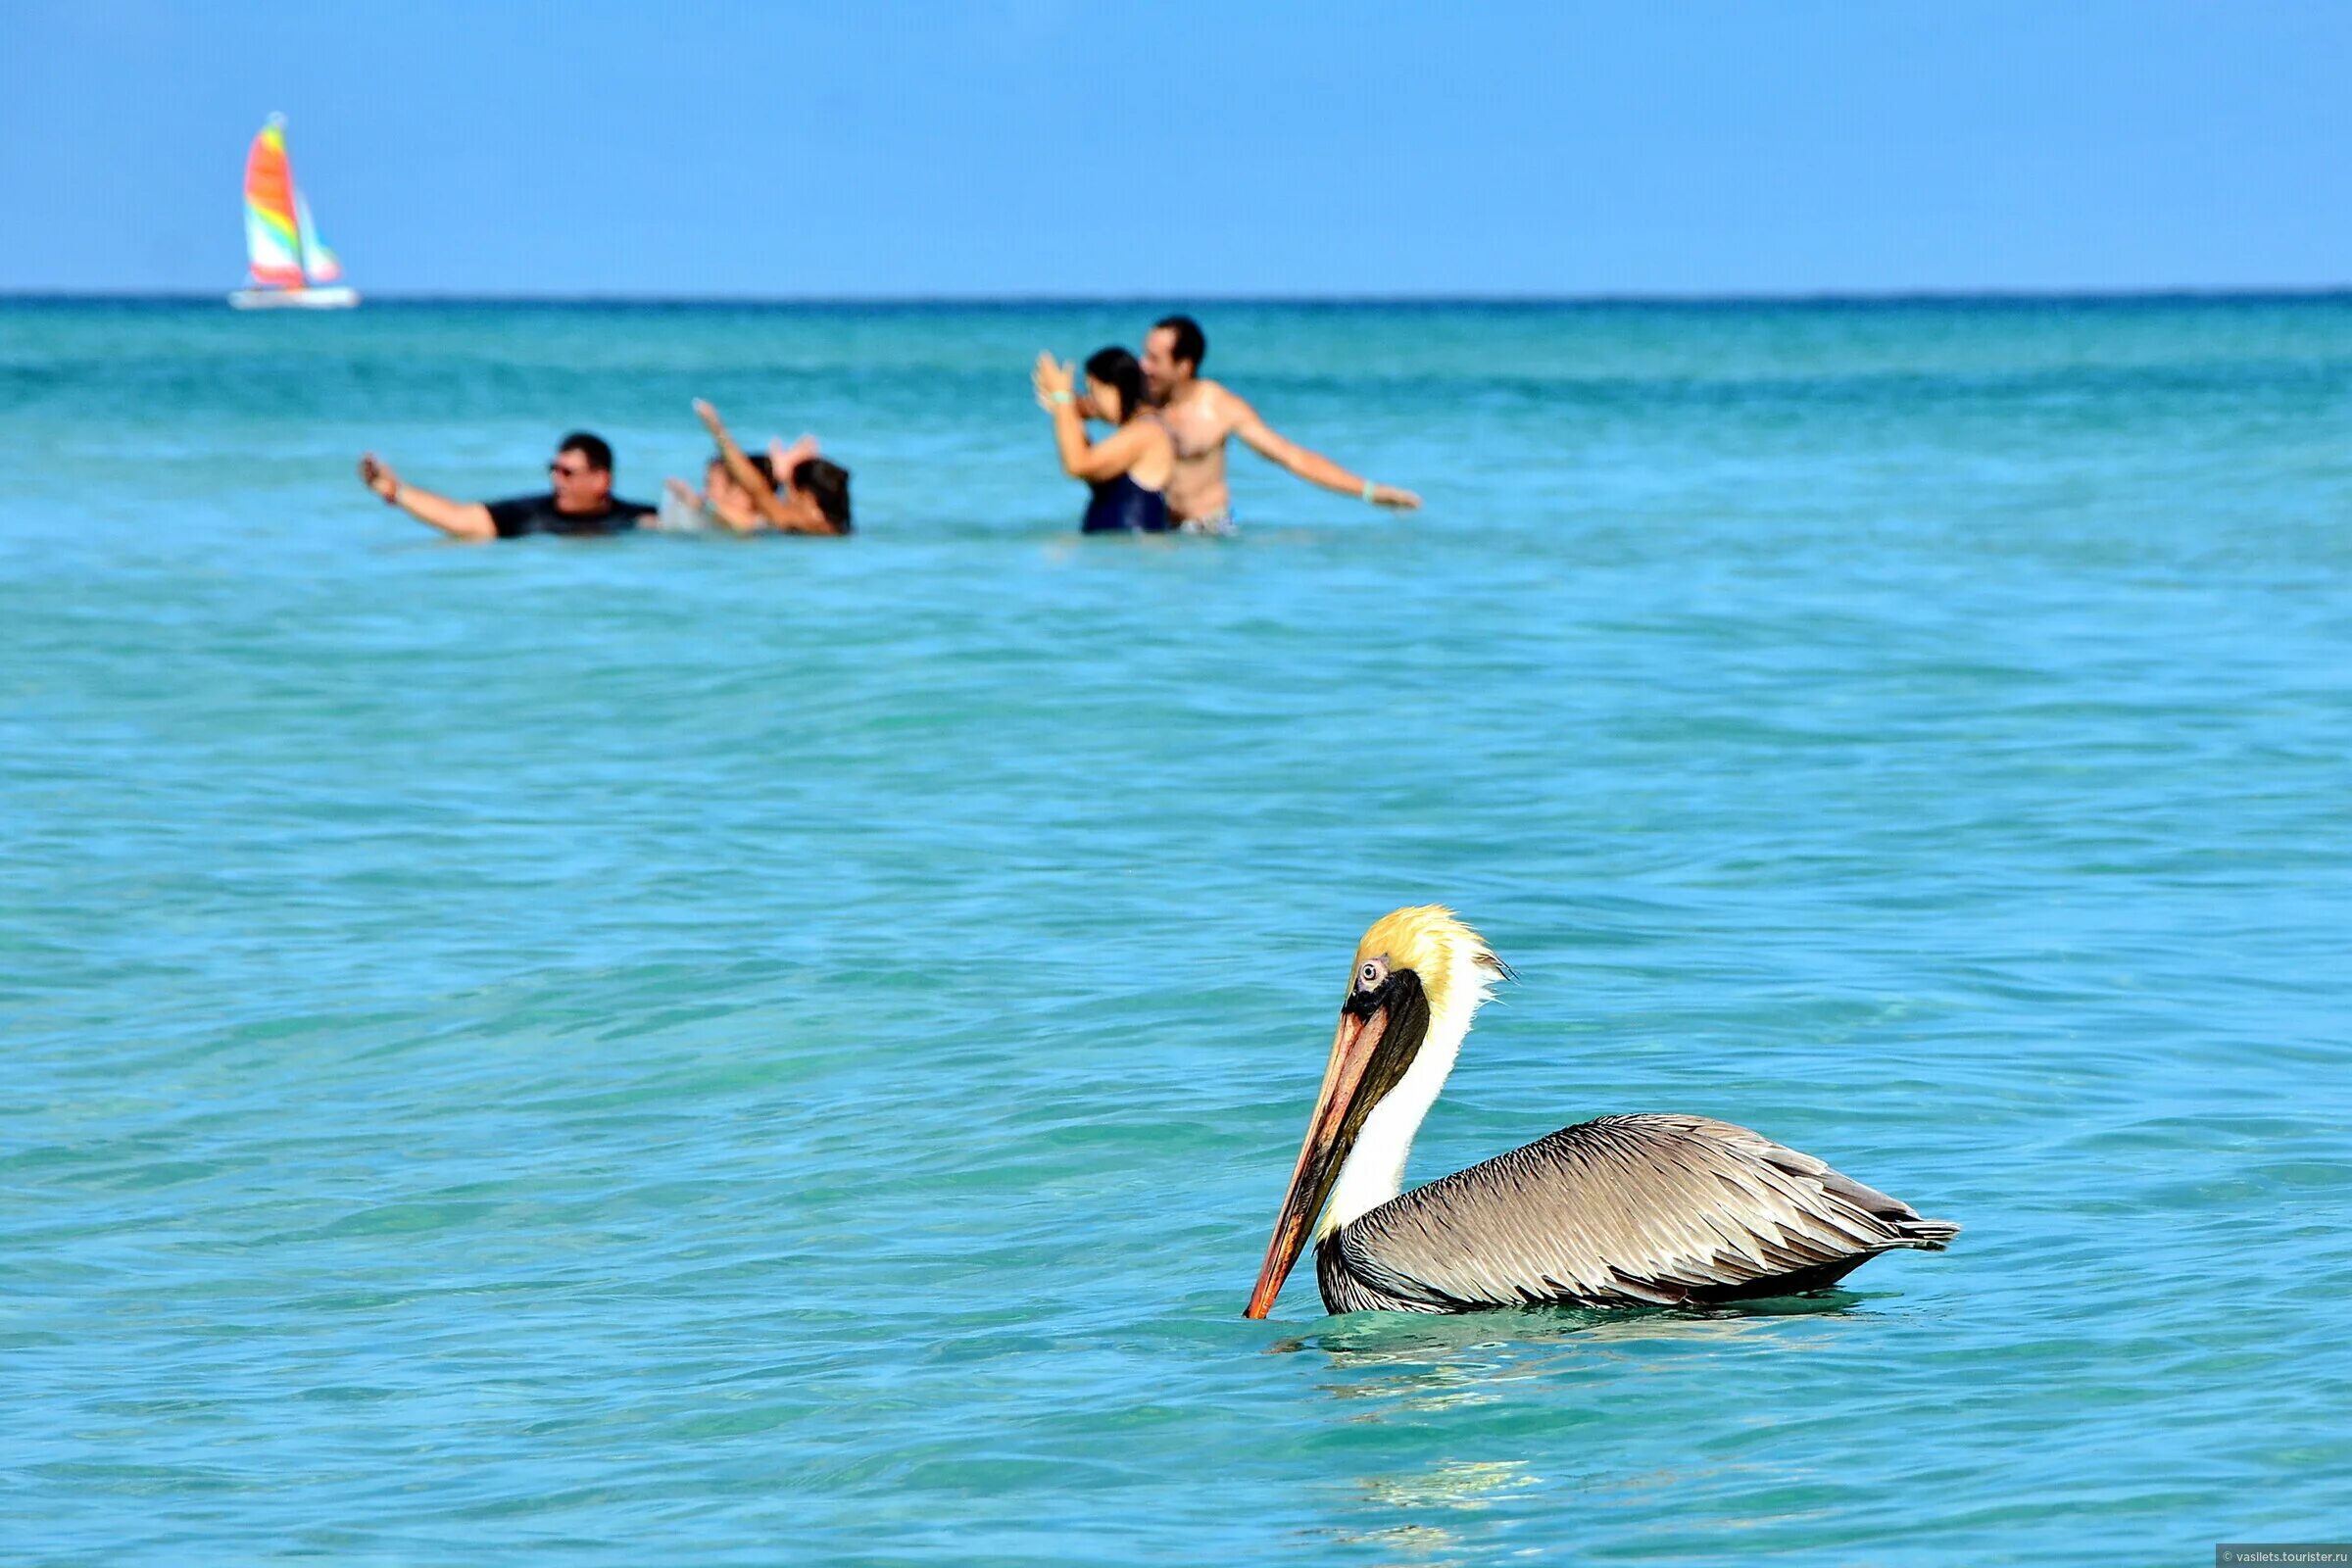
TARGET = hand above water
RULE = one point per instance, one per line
(1388, 495)
(1053, 382)
(784, 459)
(378, 476)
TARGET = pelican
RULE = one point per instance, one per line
(1633, 1211)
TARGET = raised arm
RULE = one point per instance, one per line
(459, 520)
(1081, 459)
(1312, 467)
(739, 466)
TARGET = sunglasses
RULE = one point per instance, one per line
(559, 469)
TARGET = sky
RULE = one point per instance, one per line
(1051, 148)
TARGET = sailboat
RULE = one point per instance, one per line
(290, 265)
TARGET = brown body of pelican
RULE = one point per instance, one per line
(1641, 1210)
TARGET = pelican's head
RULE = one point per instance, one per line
(1419, 975)
(1428, 946)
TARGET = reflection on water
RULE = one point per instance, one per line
(1465, 1486)
(1470, 1484)
(1375, 1339)
(1410, 1362)
(1424, 1546)
(1463, 1510)
(1394, 1366)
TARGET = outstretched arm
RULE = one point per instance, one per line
(459, 520)
(1313, 466)
(739, 466)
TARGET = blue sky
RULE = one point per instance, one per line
(1036, 147)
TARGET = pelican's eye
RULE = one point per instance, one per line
(1370, 974)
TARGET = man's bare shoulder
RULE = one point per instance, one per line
(1216, 401)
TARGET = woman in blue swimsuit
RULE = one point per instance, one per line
(1127, 469)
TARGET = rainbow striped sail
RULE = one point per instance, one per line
(319, 264)
(284, 251)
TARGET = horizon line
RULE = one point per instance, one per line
(1893, 296)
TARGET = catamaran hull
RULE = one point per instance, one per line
(294, 299)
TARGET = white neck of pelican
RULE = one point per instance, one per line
(1374, 1170)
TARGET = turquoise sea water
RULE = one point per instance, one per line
(676, 1050)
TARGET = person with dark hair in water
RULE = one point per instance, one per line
(1202, 416)
(790, 490)
(1128, 469)
(825, 485)
(581, 500)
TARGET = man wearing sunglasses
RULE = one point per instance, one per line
(581, 502)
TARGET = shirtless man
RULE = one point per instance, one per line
(1202, 415)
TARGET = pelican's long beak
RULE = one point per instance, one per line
(1329, 1133)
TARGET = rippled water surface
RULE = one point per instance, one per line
(786, 1051)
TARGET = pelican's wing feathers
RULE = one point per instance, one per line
(1623, 1211)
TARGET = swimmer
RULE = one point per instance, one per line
(1202, 416)
(580, 503)
(1128, 469)
(720, 506)
(792, 490)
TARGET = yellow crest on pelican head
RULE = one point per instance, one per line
(1432, 941)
